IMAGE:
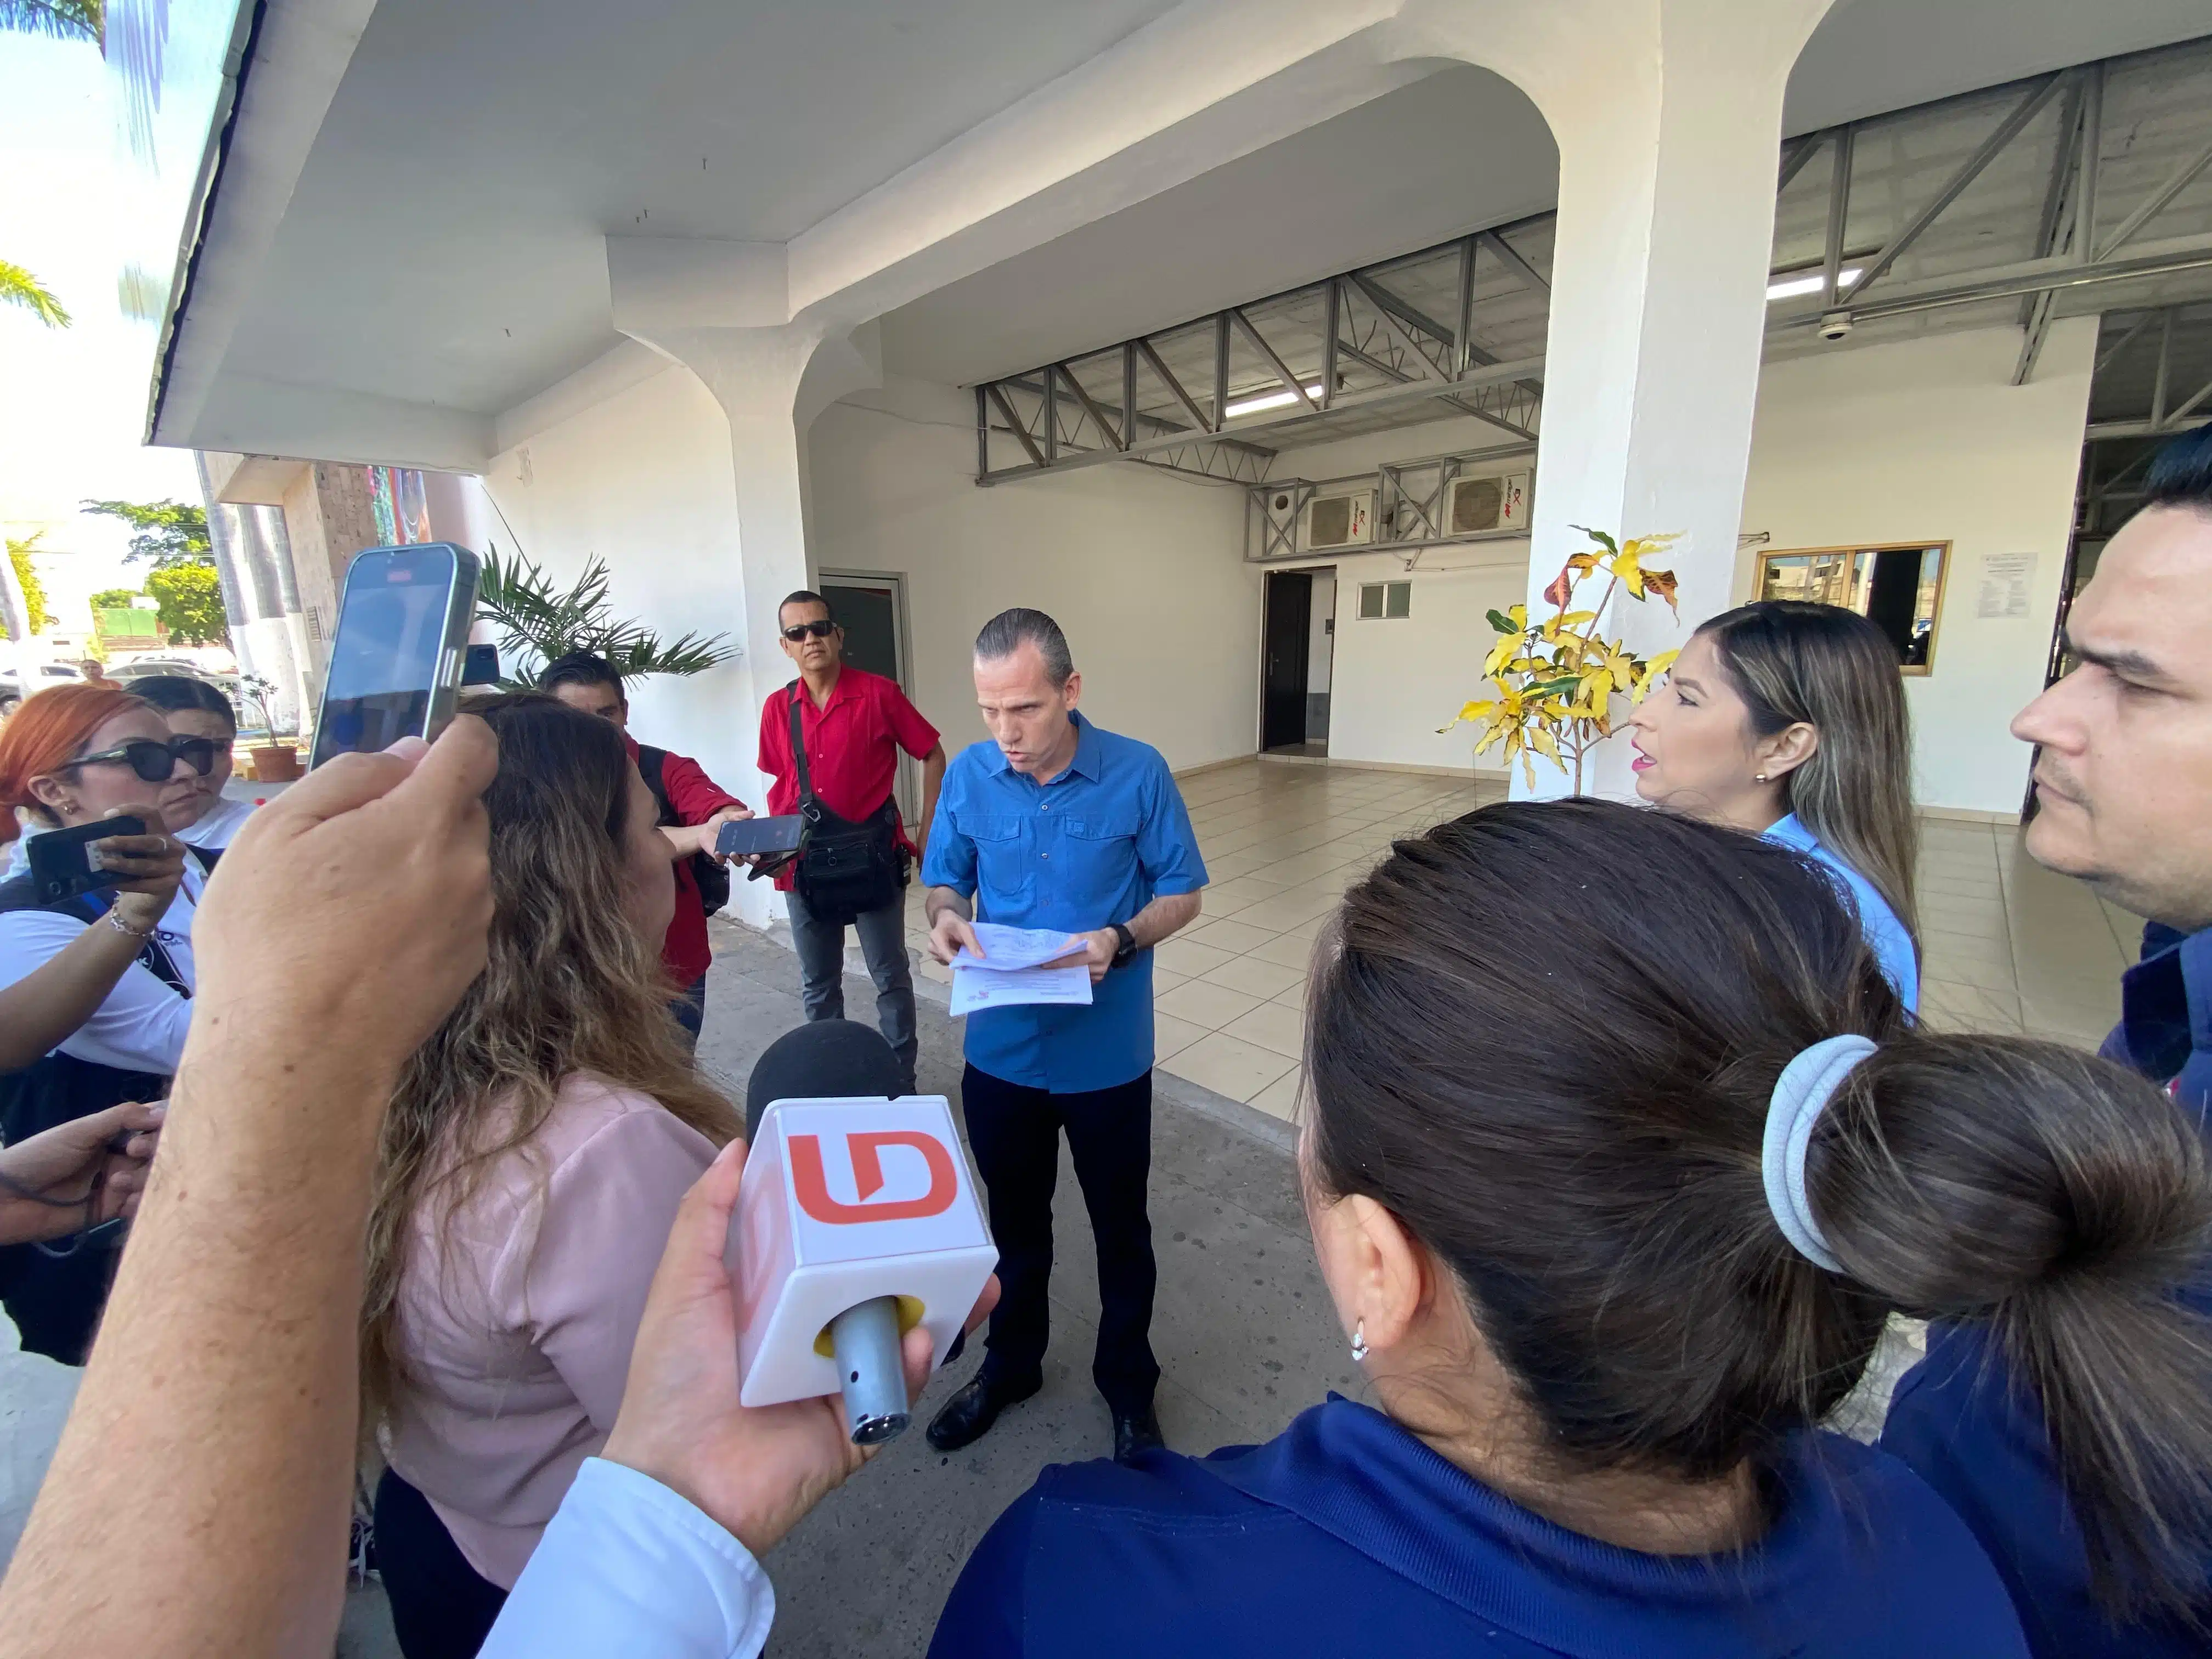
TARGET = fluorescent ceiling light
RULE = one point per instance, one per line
(1791, 287)
(1273, 400)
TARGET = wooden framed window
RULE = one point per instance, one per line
(1898, 587)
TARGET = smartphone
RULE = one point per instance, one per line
(401, 644)
(481, 667)
(66, 862)
(750, 836)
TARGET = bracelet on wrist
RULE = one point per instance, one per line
(115, 920)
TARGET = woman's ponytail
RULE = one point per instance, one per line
(2057, 1199)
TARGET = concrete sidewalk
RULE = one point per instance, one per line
(1242, 1329)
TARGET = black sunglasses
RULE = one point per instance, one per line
(153, 761)
(820, 630)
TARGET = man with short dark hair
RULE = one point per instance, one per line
(693, 810)
(2123, 801)
(829, 741)
(1057, 824)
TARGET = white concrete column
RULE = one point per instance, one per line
(718, 309)
(1668, 119)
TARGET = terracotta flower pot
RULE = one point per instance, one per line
(274, 762)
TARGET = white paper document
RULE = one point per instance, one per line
(1010, 949)
(976, 987)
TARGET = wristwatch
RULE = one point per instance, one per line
(1125, 952)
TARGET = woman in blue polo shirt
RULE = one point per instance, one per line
(1788, 720)
(1618, 1160)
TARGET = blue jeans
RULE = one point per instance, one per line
(690, 1008)
(821, 948)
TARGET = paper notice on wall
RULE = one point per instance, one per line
(2006, 579)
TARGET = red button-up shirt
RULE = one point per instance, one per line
(696, 798)
(852, 746)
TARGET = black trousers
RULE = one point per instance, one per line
(442, 1607)
(1015, 1133)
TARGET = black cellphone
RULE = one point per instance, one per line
(750, 836)
(64, 862)
(399, 648)
(481, 667)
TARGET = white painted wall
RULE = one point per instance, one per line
(1922, 440)
(643, 478)
(1319, 648)
(1927, 439)
(1143, 570)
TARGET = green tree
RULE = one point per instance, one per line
(19, 288)
(167, 532)
(190, 600)
(34, 591)
(113, 598)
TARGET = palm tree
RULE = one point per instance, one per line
(60, 20)
(19, 288)
(538, 622)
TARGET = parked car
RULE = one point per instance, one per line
(51, 673)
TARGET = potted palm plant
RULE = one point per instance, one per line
(539, 621)
(273, 761)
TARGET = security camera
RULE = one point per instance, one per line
(1835, 325)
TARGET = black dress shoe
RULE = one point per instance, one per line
(967, 1416)
(1135, 1433)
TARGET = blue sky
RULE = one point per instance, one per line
(76, 208)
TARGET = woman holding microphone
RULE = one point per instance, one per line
(1788, 720)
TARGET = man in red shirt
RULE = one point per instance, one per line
(693, 810)
(853, 724)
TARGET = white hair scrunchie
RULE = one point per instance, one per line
(1801, 1094)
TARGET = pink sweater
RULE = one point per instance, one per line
(517, 1319)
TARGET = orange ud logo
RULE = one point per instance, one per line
(865, 1149)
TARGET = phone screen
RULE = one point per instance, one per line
(389, 649)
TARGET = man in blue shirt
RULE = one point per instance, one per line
(1057, 824)
(2124, 801)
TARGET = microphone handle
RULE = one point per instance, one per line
(865, 1339)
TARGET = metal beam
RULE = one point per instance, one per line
(1396, 311)
(1466, 308)
(2106, 431)
(1970, 169)
(2035, 309)
(1282, 369)
(1006, 414)
(1328, 349)
(2188, 406)
(2090, 159)
(2157, 200)
(1220, 370)
(1097, 415)
(2165, 368)
(1509, 256)
(1793, 157)
(1175, 386)
(2007, 281)
(2126, 339)
(1839, 209)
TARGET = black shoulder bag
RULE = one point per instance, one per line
(708, 875)
(845, 869)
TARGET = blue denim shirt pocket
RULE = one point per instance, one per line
(1101, 854)
(1006, 875)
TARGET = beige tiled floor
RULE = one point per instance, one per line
(2007, 946)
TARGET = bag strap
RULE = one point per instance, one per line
(810, 807)
(649, 762)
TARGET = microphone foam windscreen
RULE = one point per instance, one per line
(827, 1060)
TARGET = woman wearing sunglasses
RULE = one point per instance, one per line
(72, 756)
(203, 819)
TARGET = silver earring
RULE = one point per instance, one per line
(1759, 777)
(1359, 1343)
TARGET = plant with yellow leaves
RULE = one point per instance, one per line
(1557, 678)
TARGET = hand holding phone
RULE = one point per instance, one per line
(401, 648)
(745, 837)
(83, 858)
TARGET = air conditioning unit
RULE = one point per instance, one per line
(1480, 504)
(1341, 520)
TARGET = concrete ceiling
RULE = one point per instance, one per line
(443, 245)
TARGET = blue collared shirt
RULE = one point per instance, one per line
(1978, 1439)
(1345, 1534)
(1092, 848)
(1885, 936)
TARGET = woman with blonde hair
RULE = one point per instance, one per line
(534, 1154)
(1788, 720)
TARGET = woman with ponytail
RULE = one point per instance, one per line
(1614, 1188)
(107, 976)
